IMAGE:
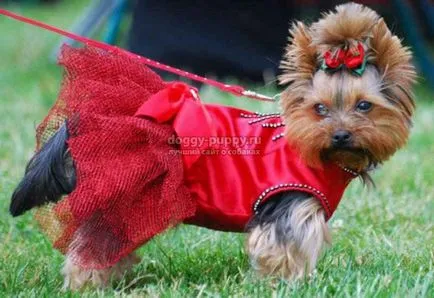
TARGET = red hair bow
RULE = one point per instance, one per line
(352, 58)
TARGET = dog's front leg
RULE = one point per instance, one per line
(287, 235)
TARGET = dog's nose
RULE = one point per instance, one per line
(341, 138)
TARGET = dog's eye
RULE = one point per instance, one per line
(321, 109)
(364, 106)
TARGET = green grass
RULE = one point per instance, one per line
(383, 238)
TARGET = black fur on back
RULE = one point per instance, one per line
(277, 210)
(49, 175)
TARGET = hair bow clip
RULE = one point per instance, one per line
(352, 58)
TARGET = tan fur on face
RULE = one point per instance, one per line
(298, 255)
(386, 83)
(380, 131)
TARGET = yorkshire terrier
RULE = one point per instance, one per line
(348, 101)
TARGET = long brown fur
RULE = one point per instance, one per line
(296, 257)
(386, 83)
(348, 23)
(394, 61)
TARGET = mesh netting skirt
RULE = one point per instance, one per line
(129, 185)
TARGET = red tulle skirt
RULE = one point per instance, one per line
(123, 163)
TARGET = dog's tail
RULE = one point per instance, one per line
(49, 175)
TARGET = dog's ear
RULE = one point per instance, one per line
(393, 60)
(299, 61)
(298, 64)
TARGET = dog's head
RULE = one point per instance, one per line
(349, 97)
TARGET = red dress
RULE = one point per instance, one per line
(150, 154)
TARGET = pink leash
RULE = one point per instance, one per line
(233, 89)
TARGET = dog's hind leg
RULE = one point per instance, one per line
(76, 277)
(287, 235)
(94, 245)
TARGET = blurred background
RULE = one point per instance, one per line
(227, 38)
(383, 238)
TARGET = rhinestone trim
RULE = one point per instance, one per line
(263, 118)
(273, 125)
(258, 115)
(267, 114)
(242, 115)
(348, 170)
(265, 193)
(276, 137)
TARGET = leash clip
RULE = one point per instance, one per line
(255, 95)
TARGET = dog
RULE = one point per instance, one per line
(347, 102)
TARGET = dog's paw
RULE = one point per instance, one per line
(76, 277)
